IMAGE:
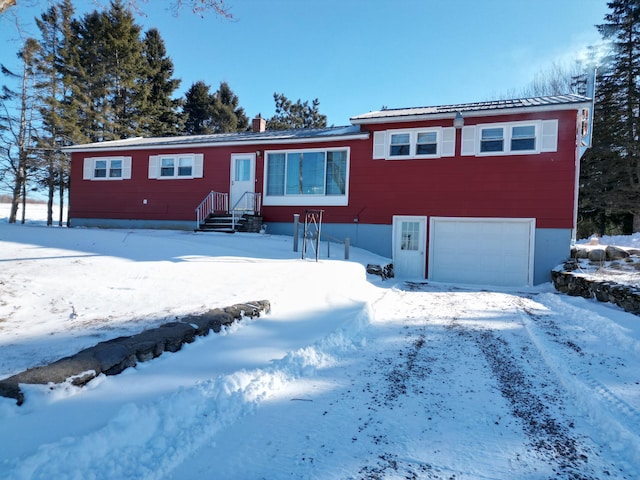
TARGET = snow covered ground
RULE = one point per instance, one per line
(348, 377)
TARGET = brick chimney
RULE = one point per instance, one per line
(258, 124)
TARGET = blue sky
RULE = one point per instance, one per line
(359, 55)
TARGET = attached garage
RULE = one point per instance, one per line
(481, 251)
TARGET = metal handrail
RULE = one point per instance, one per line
(214, 202)
(252, 203)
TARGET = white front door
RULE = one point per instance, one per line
(243, 174)
(409, 246)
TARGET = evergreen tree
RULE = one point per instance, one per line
(295, 115)
(107, 68)
(160, 112)
(227, 115)
(54, 25)
(198, 110)
(613, 165)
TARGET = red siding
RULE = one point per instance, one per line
(539, 186)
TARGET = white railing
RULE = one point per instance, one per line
(249, 202)
(214, 202)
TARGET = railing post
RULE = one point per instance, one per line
(346, 248)
(296, 222)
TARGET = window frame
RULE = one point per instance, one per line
(177, 160)
(91, 164)
(300, 199)
(507, 138)
(155, 166)
(413, 143)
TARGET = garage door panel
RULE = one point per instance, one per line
(488, 251)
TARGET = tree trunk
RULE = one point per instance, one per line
(636, 222)
(15, 200)
(61, 217)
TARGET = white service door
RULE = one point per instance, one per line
(488, 251)
(409, 246)
(243, 167)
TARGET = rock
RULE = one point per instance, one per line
(616, 253)
(597, 255)
(113, 356)
(581, 253)
(175, 334)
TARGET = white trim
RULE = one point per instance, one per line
(546, 138)
(154, 170)
(155, 166)
(252, 177)
(549, 136)
(448, 142)
(469, 114)
(304, 200)
(170, 145)
(532, 234)
(379, 145)
(468, 146)
(413, 143)
(422, 241)
(89, 168)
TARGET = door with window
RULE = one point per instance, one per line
(243, 168)
(409, 246)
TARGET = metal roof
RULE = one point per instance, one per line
(219, 139)
(491, 107)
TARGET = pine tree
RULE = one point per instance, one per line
(198, 110)
(160, 113)
(617, 120)
(107, 67)
(295, 115)
(52, 91)
(227, 115)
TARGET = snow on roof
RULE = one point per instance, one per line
(269, 136)
(550, 102)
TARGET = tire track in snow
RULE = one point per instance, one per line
(617, 420)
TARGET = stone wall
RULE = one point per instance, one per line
(114, 356)
(567, 281)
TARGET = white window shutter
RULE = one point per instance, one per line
(87, 171)
(448, 142)
(379, 145)
(198, 165)
(549, 137)
(126, 168)
(468, 140)
(154, 168)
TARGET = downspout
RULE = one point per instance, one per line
(585, 141)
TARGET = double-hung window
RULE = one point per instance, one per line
(527, 137)
(414, 143)
(492, 139)
(176, 166)
(107, 168)
(427, 143)
(400, 145)
(294, 177)
(523, 138)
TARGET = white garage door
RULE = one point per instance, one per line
(487, 251)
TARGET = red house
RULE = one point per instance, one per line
(478, 193)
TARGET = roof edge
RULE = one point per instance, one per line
(99, 147)
(479, 109)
